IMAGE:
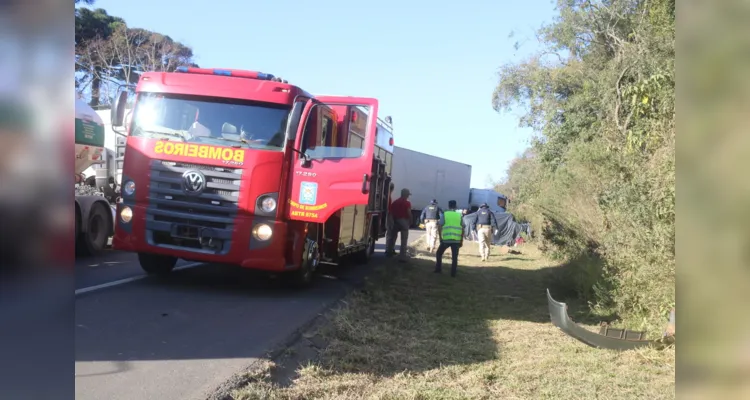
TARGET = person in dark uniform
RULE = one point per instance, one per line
(485, 224)
(430, 217)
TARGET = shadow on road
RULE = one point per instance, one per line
(205, 312)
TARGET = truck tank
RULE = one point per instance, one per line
(89, 139)
(94, 197)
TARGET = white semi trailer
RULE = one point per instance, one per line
(98, 167)
(429, 177)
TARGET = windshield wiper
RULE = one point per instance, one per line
(164, 132)
(232, 140)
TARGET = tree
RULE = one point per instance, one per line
(109, 53)
(92, 27)
(600, 97)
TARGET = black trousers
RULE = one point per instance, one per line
(454, 255)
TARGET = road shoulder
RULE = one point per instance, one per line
(484, 334)
(304, 343)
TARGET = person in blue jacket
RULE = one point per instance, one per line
(485, 225)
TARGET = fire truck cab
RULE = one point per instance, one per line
(240, 167)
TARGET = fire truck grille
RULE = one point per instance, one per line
(201, 223)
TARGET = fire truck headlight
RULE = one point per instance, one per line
(268, 204)
(129, 188)
(126, 214)
(262, 232)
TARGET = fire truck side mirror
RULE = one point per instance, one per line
(306, 161)
(118, 108)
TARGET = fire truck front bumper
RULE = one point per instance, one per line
(249, 241)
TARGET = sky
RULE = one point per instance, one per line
(432, 66)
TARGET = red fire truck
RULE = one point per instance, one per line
(240, 167)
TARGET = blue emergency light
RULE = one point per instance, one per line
(230, 72)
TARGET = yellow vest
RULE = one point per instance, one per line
(452, 231)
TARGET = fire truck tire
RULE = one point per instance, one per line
(371, 247)
(303, 276)
(363, 257)
(94, 240)
(156, 264)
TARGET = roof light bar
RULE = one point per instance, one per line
(230, 72)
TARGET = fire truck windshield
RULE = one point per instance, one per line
(198, 119)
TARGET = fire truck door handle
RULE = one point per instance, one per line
(364, 184)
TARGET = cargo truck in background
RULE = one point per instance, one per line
(429, 177)
(98, 159)
(240, 167)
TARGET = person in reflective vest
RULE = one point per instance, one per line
(452, 236)
(430, 218)
(485, 222)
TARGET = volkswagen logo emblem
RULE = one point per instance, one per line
(193, 182)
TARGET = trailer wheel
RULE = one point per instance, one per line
(156, 264)
(303, 276)
(93, 241)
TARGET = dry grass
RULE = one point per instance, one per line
(485, 334)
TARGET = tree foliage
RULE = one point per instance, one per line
(599, 179)
(109, 53)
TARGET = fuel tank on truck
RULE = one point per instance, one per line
(89, 136)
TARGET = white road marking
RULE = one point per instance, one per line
(127, 280)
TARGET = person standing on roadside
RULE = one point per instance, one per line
(430, 217)
(452, 236)
(485, 222)
(389, 217)
(400, 210)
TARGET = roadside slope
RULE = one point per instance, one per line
(485, 335)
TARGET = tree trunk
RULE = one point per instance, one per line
(96, 84)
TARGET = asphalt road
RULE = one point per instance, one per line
(181, 337)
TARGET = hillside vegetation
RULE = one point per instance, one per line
(598, 181)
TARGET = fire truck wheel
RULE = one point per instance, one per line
(371, 247)
(94, 240)
(303, 276)
(363, 257)
(156, 264)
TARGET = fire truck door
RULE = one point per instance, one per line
(334, 161)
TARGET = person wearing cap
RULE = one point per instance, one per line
(400, 211)
(389, 218)
(484, 223)
(430, 217)
(451, 237)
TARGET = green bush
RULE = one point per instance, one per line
(598, 182)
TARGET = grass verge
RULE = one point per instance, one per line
(486, 334)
